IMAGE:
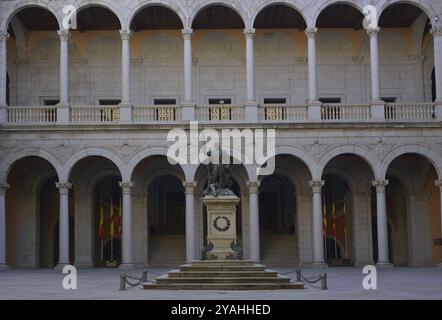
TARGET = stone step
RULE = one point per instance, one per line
(202, 274)
(224, 286)
(223, 263)
(221, 268)
(176, 280)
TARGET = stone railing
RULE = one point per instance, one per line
(409, 111)
(31, 115)
(345, 112)
(330, 113)
(220, 113)
(95, 114)
(152, 114)
(283, 113)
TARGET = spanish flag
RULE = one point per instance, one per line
(344, 219)
(112, 225)
(101, 231)
(120, 222)
(324, 218)
(334, 218)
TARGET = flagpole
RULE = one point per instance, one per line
(112, 240)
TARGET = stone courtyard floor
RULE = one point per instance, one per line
(343, 283)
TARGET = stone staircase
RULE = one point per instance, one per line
(167, 250)
(222, 275)
(279, 250)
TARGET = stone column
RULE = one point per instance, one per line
(314, 106)
(3, 75)
(190, 220)
(63, 114)
(125, 106)
(438, 184)
(126, 243)
(318, 237)
(63, 257)
(377, 105)
(437, 39)
(188, 107)
(382, 222)
(254, 221)
(3, 188)
(251, 103)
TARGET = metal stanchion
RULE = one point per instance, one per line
(144, 276)
(122, 281)
(324, 281)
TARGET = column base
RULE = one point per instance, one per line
(4, 267)
(314, 110)
(127, 266)
(440, 265)
(319, 265)
(251, 111)
(378, 110)
(384, 265)
(60, 266)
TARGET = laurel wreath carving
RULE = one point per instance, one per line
(221, 229)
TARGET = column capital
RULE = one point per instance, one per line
(64, 35)
(249, 33)
(63, 187)
(189, 187)
(187, 33)
(380, 185)
(436, 31)
(311, 33)
(438, 183)
(316, 185)
(4, 36)
(3, 188)
(253, 186)
(126, 186)
(125, 34)
(373, 32)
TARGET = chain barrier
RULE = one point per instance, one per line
(124, 279)
(310, 280)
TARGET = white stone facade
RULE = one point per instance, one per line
(365, 142)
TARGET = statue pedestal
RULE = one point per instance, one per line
(221, 225)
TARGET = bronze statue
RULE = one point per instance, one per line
(219, 182)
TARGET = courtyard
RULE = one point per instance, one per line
(343, 283)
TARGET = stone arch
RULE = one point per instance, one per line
(110, 5)
(140, 156)
(136, 6)
(50, 6)
(324, 5)
(234, 5)
(293, 4)
(8, 162)
(429, 154)
(344, 175)
(91, 152)
(362, 153)
(422, 4)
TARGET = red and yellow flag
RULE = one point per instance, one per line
(101, 231)
(120, 222)
(334, 218)
(112, 225)
(324, 219)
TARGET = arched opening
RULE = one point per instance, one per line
(39, 63)
(32, 213)
(167, 221)
(279, 43)
(160, 212)
(107, 221)
(340, 76)
(219, 54)
(336, 213)
(413, 211)
(159, 78)
(397, 22)
(98, 194)
(156, 17)
(217, 17)
(346, 198)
